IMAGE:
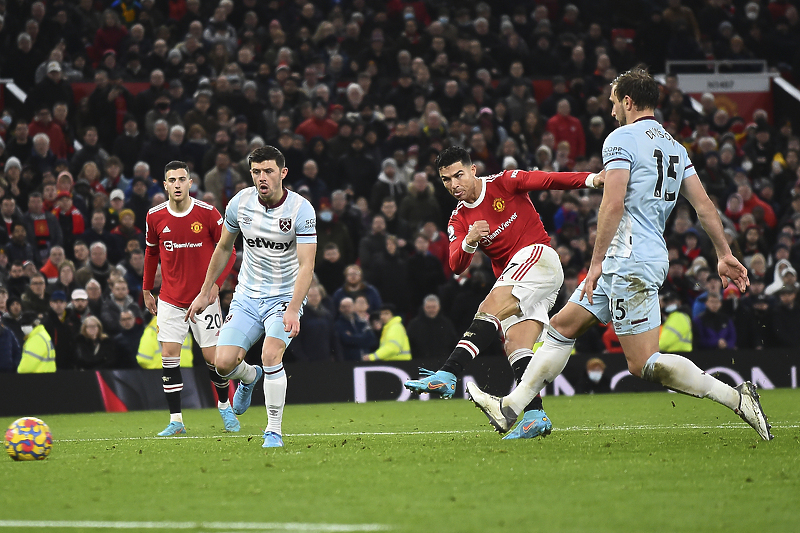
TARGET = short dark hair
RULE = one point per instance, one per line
(176, 165)
(266, 153)
(453, 155)
(639, 85)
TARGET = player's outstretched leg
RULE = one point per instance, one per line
(275, 401)
(681, 374)
(500, 416)
(478, 336)
(221, 384)
(173, 385)
(534, 422)
(248, 376)
(750, 410)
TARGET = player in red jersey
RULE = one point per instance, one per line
(183, 233)
(496, 214)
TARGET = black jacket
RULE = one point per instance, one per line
(431, 338)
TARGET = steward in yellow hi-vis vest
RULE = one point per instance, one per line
(149, 354)
(38, 353)
(394, 345)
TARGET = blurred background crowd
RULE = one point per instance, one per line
(361, 96)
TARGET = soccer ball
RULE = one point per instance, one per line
(28, 439)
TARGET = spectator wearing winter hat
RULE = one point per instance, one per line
(12, 171)
(57, 326)
(388, 185)
(127, 231)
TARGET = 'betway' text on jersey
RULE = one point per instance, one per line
(270, 235)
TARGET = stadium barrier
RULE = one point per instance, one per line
(124, 390)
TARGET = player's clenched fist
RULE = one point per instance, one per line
(477, 231)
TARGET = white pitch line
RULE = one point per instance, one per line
(230, 526)
(453, 432)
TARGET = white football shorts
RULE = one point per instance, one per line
(536, 276)
(173, 328)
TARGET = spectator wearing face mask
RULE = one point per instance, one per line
(331, 229)
(595, 380)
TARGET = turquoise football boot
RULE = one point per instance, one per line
(244, 393)
(174, 428)
(230, 420)
(272, 440)
(440, 382)
(533, 424)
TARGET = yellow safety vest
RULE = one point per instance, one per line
(394, 345)
(38, 353)
(676, 333)
(149, 354)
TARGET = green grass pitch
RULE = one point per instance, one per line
(622, 462)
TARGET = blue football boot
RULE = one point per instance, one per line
(174, 428)
(230, 420)
(439, 382)
(272, 440)
(533, 424)
(244, 393)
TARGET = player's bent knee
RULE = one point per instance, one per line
(564, 327)
(209, 354)
(497, 300)
(228, 358)
(572, 321)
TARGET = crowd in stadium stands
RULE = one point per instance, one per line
(360, 96)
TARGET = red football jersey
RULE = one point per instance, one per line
(184, 242)
(513, 221)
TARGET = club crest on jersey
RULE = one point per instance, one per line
(196, 227)
(498, 205)
(285, 224)
(246, 221)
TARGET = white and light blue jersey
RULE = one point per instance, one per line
(657, 164)
(270, 236)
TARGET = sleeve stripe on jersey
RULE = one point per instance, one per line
(306, 234)
(204, 205)
(618, 159)
(688, 167)
(159, 207)
(150, 243)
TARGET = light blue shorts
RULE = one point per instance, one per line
(626, 293)
(249, 318)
